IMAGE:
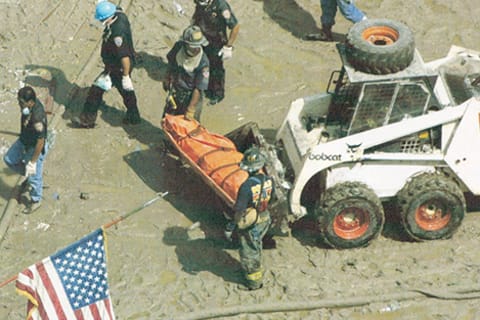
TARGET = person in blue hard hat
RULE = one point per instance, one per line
(118, 55)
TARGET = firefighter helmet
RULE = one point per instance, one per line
(252, 160)
(194, 37)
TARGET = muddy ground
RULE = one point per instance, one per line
(158, 268)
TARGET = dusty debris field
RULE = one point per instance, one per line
(158, 268)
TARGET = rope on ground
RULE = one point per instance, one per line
(409, 294)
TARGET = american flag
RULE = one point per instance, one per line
(71, 284)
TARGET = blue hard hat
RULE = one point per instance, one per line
(104, 10)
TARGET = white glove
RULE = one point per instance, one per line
(229, 230)
(228, 235)
(103, 81)
(226, 52)
(30, 169)
(127, 83)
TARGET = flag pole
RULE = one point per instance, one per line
(4, 283)
(108, 225)
(128, 214)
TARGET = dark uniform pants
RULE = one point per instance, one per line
(95, 97)
(251, 250)
(216, 83)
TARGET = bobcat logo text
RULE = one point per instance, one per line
(325, 157)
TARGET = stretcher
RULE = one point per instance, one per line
(215, 158)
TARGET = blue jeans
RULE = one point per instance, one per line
(347, 8)
(16, 158)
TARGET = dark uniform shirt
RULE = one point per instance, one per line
(184, 80)
(249, 192)
(214, 20)
(117, 42)
(33, 126)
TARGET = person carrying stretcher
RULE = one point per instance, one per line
(187, 75)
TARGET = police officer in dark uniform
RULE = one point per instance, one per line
(255, 192)
(26, 156)
(214, 17)
(187, 74)
(118, 56)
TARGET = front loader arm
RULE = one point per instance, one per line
(351, 148)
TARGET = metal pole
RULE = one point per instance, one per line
(128, 214)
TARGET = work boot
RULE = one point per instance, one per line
(324, 35)
(249, 288)
(215, 99)
(31, 207)
(254, 280)
(327, 31)
(85, 121)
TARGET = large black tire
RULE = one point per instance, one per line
(431, 206)
(351, 215)
(379, 46)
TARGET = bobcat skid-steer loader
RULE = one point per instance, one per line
(390, 127)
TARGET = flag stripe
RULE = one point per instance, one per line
(109, 308)
(94, 310)
(50, 288)
(44, 304)
(87, 314)
(32, 311)
(61, 296)
(100, 310)
(79, 314)
(24, 282)
(24, 287)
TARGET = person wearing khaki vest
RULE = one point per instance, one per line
(187, 75)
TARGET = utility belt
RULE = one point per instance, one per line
(251, 217)
(182, 95)
(178, 100)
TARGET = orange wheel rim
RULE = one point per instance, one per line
(380, 36)
(351, 223)
(431, 217)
